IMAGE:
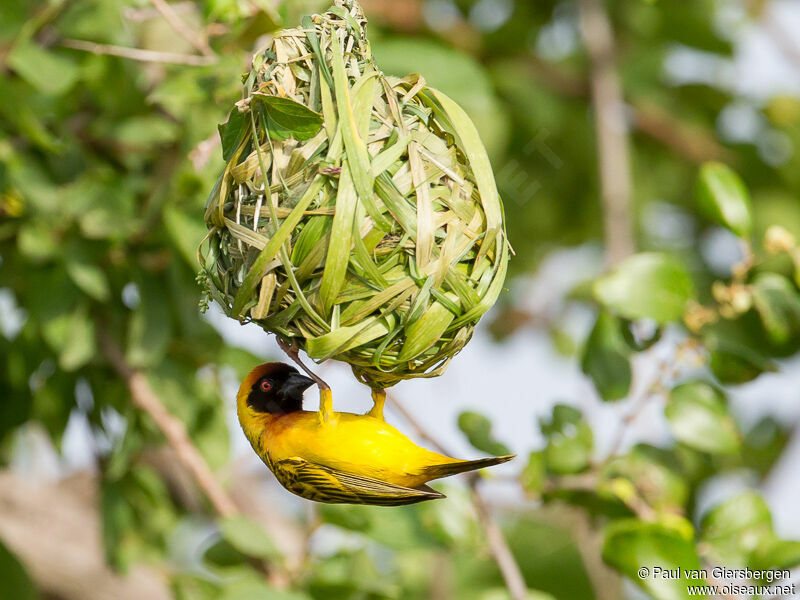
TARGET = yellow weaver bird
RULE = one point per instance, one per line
(337, 457)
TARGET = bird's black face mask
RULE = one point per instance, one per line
(279, 392)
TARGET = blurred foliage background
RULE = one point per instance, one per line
(609, 124)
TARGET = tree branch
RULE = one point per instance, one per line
(172, 428)
(152, 56)
(201, 154)
(509, 569)
(498, 546)
(186, 452)
(611, 131)
(291, 351)
(195, 38)
(686, 140)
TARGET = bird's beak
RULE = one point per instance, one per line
(296, 384)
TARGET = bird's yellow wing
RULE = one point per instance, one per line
(323, 484)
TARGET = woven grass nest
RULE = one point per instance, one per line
(381, 240)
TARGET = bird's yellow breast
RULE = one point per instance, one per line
(357, 444)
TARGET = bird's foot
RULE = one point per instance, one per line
(325, 405)
(379, 399)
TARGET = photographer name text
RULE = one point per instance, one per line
(715, 573)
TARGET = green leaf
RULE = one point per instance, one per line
(144, 132)
(22, 117)
(210, 432)
(736, 528)
(232, 132)
(223, 554)
(724, 199)
(569, 440)
(654, 475)
(12, 414)
(185, 231)
(776, 554)
(534, 474)
(37, 242)
(287, 118)
(606, 358)
(150, 327)
(739, 531)
(190, 587)
(248, 537)
(88, 277)
(502, 593)
(647, 285)
(48, 72)
(73, 336)
(698, 416)
(777, 303)
(631, 544)
(764, 444)
(117, 518)
(452, 523)
(250, 590)
(733, 362)
(548, 557)
(478, 430)
(16, 582)
(53, 403)
(353, 518)
(138, 516)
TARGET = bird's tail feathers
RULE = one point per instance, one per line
(453, 468)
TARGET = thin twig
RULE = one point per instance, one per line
(441, 587)
(612, 131)
(146, 13)
(639, 405)
(415, 425)
(498, 546)
(509, 569)
(196, 39)
(172, 428)
(667, 370)
(292, 353)
(689, 141)
(186, 452)
(152, 56)
(203, 152)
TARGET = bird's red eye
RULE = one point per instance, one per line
(266, 386)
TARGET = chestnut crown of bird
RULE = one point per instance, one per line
(337, 457)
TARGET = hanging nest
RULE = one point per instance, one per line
(380, 239)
